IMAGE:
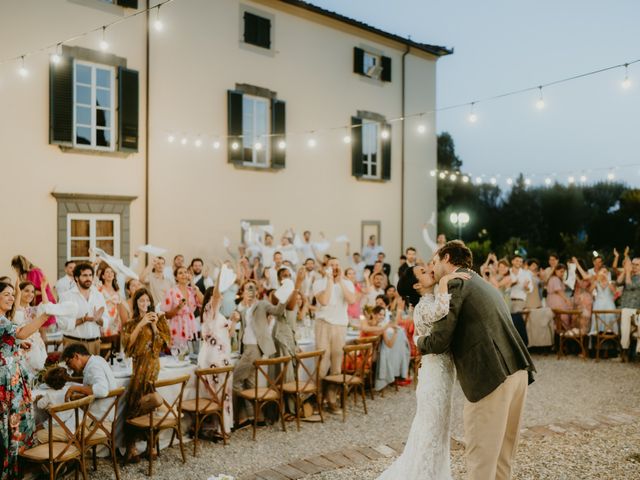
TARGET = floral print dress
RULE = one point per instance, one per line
(17, 423)
(183, 324)
(215, 352)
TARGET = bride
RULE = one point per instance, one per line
(426, 454)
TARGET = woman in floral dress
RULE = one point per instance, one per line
(215, 348)
(180, 305)
(16, 416)
(143, 338)
(116, 307)
(24, 313)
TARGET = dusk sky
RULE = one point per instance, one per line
(587, 125)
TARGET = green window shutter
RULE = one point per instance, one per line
(129, 109)
(278, 131)
(386, 154)
(257, 30)
(61, 102)
(357, 167)
(358, 60)
(128, 3)
(234, 125)
(386, 69)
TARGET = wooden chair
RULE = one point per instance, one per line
(54, 455)
(371, 366)
(569, 334)
(311, 386)
(359, 356)
(203, 407)
(165, 417)
(100, 431)
(55, 344)
(105, 350)
(606, 323)
(272, 393)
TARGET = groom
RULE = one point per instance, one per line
(492, 362)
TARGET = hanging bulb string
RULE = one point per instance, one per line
(84, 34)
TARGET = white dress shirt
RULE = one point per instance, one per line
(370, 254)
(85, 307)
(64, 284)
(335, 312)
(249, 335)
(518, 290)
(98, 375)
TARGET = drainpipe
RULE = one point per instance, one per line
(146, 133)
(402, 152)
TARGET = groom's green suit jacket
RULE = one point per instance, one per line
(480, 334)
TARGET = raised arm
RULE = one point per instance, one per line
(439, 340)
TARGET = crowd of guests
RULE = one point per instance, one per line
(173, 307)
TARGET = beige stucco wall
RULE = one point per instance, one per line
(32, 168)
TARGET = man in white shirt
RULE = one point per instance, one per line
(370, 251)
(374, 287)
(522, 284)
(91, 313)
(66, 283)
(311, 275)
(334, 294)
(358, 266)
(97, 378)
(267, 250)
(276, 265)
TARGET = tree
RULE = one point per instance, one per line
(447, 158)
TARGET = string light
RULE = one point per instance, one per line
(493, 180)
(527, 181)
(57, 55)
(104, 45)
(183, 141)
(22, 71)
(384, 134)
(258, 146)
(422, 128)
(346, 139)
(583, 178)
(198, 143)
(311, 143)
(611, 176)
(473, 118)
(216, 145)
(235, 146)
(282, 144)
(547, 181)
(158, 25)
(509, 181)
(432, 173)
(626, 83)
(442, 175)
(540, 101)
(453, 177)
(478, 180)
(171, 139)
(571, 180)
(465, 179)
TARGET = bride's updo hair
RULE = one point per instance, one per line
(405, 287)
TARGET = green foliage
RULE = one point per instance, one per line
(570, 220)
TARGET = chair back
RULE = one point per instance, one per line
(262, 370)
(210, 380)
(358, 356)
(609, 320)
(97, 424)
(173, 409)
(573, 315)
(72, 439)
(56, 344)
(312, 373)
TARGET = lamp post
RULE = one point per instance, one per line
(460, 219)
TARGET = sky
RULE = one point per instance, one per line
(587, 126)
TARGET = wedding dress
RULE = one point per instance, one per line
(426, 454)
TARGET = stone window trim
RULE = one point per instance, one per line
(88, 203)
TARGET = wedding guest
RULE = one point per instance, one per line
(556, 296)
(630, 278)
(334, 294)
(85, 327)
(374, 286)
(155, 280)
(66, 282)
(583, 301)
(521, 284)
(267, 250)
(200, 277)
(115, 311)
(215, 350)
(546, 274)
(131, 287)
(17, 424)
(28, 272)
(598, 264)
(310, 276)
(404, 318)
(354, 311)
(180, 304)
(370, 251)
(502, 280)
(358, 266)
(288, 250)
(386, 268)
(534, 298)
(25, 313)
(257, 342)
(306, 248)
(410, 260)
(604, 298)
(143, 339)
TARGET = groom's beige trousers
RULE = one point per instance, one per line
(492, 429)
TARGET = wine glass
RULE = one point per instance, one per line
(175, 351)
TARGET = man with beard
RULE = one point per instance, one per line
(84, 326)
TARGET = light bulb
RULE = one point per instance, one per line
(384, 134)
(282, 144)
(509, 181)
(432, 173)
(547, 181)
(527, 181)
(473, 118)
(104, 45)
(583, 178)
(478, 180)
(55, 58)
(540, 104)
(465, 179)
(493, 180)
(216, 145)
(311, 143)
(158, 25)
(198, 143)
(610, 176)
(626, 83)
(235, 146)
(453, 177)
(346, 139)
(442, 175)
(183, 141)
(571, 179)
(258, 146)
(171, 139)
(422, 128)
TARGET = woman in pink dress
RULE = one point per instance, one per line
(556, 296)
(355, 309)
(180, 305)
(28, 272)
(583, 300)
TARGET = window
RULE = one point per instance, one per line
(255, 130)
(371, 65)
(370, 149)
(123, 3)
(257, 30)
(93, 96)
(87, 231)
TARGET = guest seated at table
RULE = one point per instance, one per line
(143, 338)
(97, 377)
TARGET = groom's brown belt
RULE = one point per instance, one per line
(78, 339)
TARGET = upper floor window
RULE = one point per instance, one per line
(93, 106)
(370, 148)
(257, 30)
(256, 129)
(123, 3)
(371, 65)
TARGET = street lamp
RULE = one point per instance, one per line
(460, 219)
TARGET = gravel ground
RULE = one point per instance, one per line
(566, 389)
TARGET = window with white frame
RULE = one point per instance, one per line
(371, 65)
(255, 130)
(93, 100)
(88, 231)
(370, 149)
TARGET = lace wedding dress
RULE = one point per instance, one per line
(426, 454)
